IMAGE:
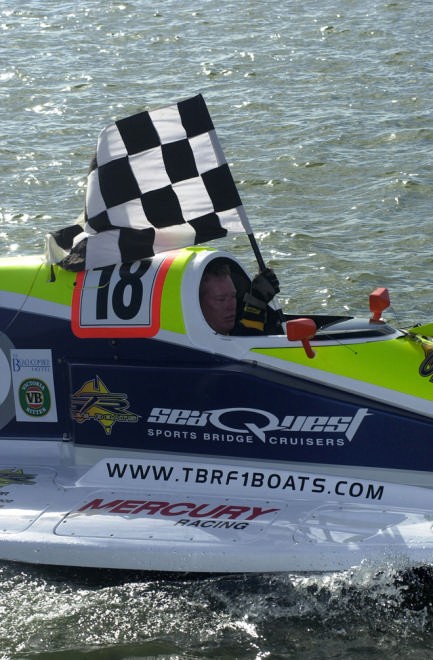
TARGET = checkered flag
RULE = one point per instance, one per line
(159, 181)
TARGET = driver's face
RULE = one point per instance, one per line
(218, 303)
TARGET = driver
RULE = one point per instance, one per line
(218, 300)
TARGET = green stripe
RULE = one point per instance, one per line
(30, 276)
(393, 364)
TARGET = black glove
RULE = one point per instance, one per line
(265, 285)
(263, 288)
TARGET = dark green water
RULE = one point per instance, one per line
(70, 614)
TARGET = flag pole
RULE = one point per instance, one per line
(249, 232)
(257, 253)
(259, 257)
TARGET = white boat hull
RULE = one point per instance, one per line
(160, 513)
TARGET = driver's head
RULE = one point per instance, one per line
(218, 298)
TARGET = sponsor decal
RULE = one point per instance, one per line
(94, 401)
(34, 397)
(249, 425)
(174, 509)
(426, 366)
(16, 476)
(33, 385)
(182, 513)
(255, 479)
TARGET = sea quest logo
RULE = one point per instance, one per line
(246, 425)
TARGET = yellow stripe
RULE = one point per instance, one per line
(257, 325)
(393, 364)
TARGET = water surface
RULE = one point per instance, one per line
(324, 112)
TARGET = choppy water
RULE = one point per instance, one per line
(68, 615)
(324, 110)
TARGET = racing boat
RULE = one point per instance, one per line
(133, 436)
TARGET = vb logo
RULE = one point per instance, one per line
(34, 397)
